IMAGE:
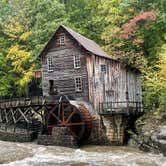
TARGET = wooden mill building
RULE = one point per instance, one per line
(76, 66)
(87, 96)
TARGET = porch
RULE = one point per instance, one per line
(122, 107)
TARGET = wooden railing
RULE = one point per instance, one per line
(22, 101)
(30, 101)
(122, 107)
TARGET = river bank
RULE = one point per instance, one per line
(150, 133)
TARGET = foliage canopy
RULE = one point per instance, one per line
(131, 30)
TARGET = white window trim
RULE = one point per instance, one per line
(50, 64)
(77, 89)
(77, 61)
(60, 39)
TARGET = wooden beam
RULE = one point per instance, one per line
(68, 119)
(22, 115)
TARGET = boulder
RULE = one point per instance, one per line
(152, 140)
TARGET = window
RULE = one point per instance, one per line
(103, 68)
(78, 84)
(62, 40)
(77, 62)
(50, 64)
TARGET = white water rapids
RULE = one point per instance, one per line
(30, 154)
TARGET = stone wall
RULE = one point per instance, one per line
(60, 137)
(98, 132)
(114, 128)
(16, 137)
(108, 130)
(105, 130)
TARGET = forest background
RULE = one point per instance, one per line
(133, 31)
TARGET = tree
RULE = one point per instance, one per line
(5, 79)
(135, 33)
(17, 56)
(25, 28)
(43, 18)
(82, 16)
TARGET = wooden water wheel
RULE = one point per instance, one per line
(76, 119)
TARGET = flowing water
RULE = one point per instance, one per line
(30, 154)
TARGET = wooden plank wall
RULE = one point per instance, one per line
(118, 84)
(64, 72)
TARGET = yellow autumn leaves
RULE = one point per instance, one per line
(18, 55)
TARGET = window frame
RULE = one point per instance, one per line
(62, 42)
(50, 66)
(103, 68)
(78, 84)
(77, 61)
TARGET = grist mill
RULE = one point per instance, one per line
(88, 96)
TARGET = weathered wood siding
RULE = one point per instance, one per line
(116, 85)
(64, 72)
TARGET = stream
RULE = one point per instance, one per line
(31, 154)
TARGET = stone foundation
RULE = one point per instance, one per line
(108, 130)
(114, 126)
(97, 135)
(60, 137)
(16, 136)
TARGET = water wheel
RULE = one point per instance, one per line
(76, 119)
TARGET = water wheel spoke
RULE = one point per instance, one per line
(69, 117)
(77, 120)
(73, 134)
(62, 112)
(56, 117)
(75, 124)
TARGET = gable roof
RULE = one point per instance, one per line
(86, 43)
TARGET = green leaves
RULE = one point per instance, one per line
(26, 26)
(143, 46)
(43, 17)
